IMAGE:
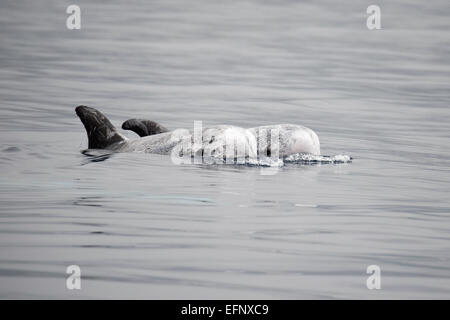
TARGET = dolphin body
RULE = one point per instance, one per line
(103, 135)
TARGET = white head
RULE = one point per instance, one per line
(304, 140)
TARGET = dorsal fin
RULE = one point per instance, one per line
(100, 131)
(143, 127)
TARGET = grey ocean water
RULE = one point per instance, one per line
(140, 226)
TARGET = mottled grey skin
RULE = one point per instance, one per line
(143, 127)
(103, 135)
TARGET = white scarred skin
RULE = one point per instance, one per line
(292, 139)
(304, 141)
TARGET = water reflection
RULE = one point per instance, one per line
(95, 155)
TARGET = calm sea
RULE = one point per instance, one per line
(140, 226)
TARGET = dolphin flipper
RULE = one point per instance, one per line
(143, 127)
(101, 133)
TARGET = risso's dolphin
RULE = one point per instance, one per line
(282, 139)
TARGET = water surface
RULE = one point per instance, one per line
(140, 226)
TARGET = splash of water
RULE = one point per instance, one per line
(305, 158)
(297, 158)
